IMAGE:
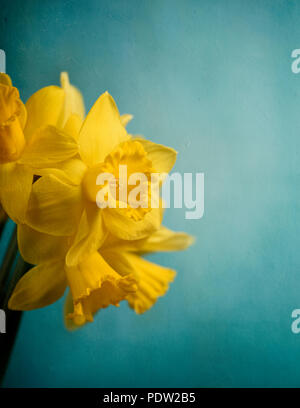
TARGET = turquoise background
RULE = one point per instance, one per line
(212, 79)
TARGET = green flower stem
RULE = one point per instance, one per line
(8, 260)
(12, 269)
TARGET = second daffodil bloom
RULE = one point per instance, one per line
(34, 136)
(114, 273)
(63, 202)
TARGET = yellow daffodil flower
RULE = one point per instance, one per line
(95, 252)
(116, 272)
(63, 203)
(34, 136)
(93, 283)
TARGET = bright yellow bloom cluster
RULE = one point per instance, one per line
(50, 157)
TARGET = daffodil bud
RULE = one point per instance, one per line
(12, 140)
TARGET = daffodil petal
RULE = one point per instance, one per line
(55, 207)
(90, 235)
(162, 157)
(23, 115)
(118, 259)
(101, 131)
(70, 171)
(44, 108)
(39, 287)
(48, 146)
(36, 247)
(163, 240)
(73, 126)
(5, 79)
(73, 99)
(123, 227)
(126, 118)
(153, 280)
(15, 188)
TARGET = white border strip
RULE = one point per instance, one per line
(2, 61)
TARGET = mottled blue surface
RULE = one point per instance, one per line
(213, 80)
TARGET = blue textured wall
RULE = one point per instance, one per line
(213, 80)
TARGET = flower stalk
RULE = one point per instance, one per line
(13, 267)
